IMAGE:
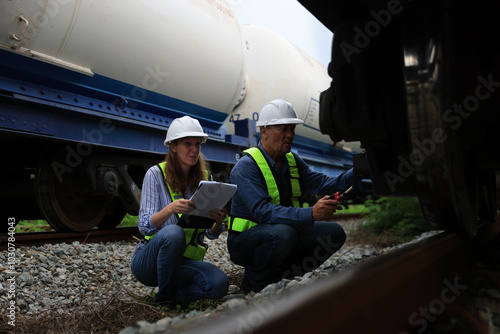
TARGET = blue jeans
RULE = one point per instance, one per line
(270, 252)
(161, 263)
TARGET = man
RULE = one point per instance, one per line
(269, 233)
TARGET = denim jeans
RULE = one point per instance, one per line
(161, 263)
(270, 252)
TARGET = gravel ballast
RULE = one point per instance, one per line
(68, 278)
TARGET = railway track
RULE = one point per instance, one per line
(393, 293)
(93, 236)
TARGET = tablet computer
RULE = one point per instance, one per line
(192, 221)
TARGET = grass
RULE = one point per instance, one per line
(129, 220)
(355, 208)
(40, 225)
(25, 226)
(391, 221)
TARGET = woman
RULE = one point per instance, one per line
(171, 257)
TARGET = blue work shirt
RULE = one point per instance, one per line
(252, 200)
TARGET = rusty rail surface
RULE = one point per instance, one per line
(93, 236)
(388, 294)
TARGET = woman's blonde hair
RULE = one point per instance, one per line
(173, 172)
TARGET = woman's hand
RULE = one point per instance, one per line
(176, 207)
(218, 216)
(182, 206)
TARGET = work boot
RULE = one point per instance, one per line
(247, 286)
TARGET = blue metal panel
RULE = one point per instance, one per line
(25, 120)
(102, 88)
(322, 157)
(50, 113)
(325, 168)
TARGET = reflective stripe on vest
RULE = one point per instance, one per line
(241, 224)
(194, 250)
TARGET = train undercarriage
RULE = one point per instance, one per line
(418, 84)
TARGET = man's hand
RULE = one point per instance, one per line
(218, 216)
(325, 208)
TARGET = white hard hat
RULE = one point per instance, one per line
(184, 127)
(278, 112)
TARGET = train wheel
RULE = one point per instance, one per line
(61, 196)
(114, 215)
(445, 182)
(454, 193)
(488, 199)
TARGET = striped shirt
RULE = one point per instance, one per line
(154, 197)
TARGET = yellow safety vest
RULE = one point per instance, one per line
(242, 224)
(194, 250)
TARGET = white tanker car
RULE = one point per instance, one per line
(88, 89)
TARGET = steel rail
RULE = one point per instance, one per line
(92, 236)
(96, 235)
(388, 294)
